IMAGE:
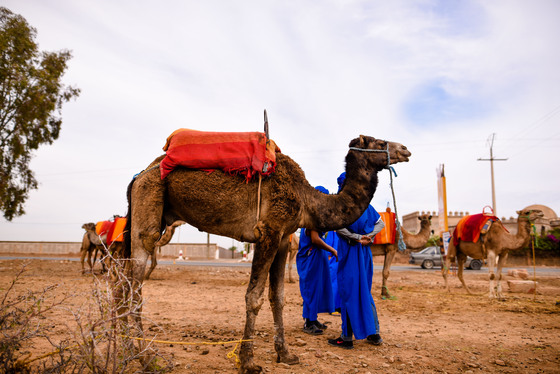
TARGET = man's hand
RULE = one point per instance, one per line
(365, 240)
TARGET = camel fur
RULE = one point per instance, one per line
(497, 242)
(414, 242)
(226, 205)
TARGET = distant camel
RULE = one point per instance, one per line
(292, 253)
(91, 244)
(496, 242)
(226, 205)
(414, 242)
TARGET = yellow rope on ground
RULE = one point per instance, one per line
(231, 354)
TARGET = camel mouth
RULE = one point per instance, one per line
(402, 156)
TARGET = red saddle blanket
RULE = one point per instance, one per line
(468, 228)
(113, 229)
(246, 153)
(389, 233)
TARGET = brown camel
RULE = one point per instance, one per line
(91, 244)
(414, 242)
(292, 252)
(497, 242)
(226, 205)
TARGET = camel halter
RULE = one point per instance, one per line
(401, 245)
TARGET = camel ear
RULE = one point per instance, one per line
(518, 212)
(358, 142)
(363, 141)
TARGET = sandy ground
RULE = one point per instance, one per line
(424, 328)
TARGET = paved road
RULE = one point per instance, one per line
(236, 263)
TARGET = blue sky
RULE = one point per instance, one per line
(437, 76)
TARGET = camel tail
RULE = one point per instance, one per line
(127, 250)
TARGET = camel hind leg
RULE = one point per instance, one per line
(146, 201)
(491, 276)
(451, 253)
(276, 298)
(501, 263)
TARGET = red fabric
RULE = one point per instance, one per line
(246, 153)
(468, 228)
(388, 234)
(113, 229)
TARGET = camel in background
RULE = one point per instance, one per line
(92, 244)
(414, 242)
(226, 205)
(496, 242)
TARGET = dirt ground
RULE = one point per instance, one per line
(424, 328)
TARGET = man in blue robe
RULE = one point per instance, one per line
(355, 277)
(314, 278)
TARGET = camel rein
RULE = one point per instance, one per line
(401, 245)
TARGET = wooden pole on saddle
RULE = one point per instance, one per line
(266, 126)
(260, 176)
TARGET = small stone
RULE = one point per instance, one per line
(300, 343)
(500, 362)
(472, 364)
(284, 365)
(204, 352)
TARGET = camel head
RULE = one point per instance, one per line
(425, 218)
(379, 148)
(90, 226)
(530, 215)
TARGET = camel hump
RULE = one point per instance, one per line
(245, 153)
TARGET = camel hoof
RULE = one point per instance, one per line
(288, 358)
(253, 369)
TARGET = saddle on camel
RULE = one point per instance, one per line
(245, 153)
(112, 229)
(389, 233)
(472, 226)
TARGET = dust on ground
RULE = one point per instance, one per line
(424, 328)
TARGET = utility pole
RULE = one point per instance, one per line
(492, 159)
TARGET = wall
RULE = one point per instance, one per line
(190, 250)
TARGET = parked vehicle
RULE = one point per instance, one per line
(431, 256)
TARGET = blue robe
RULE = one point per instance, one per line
(332, 239)
(355, 277)
(314, 278)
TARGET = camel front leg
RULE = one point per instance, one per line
(389, 255)
(501, 263)
(262, 260)
(491, 276)
(276, 298)
(291, 256)
(461, 258)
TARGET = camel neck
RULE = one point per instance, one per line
(332, 212)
